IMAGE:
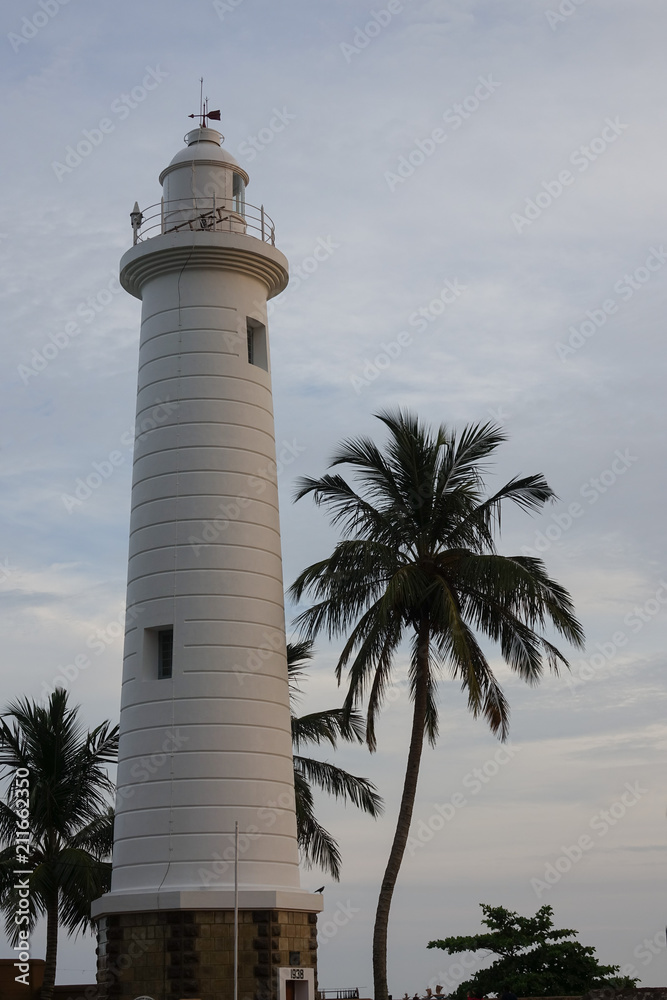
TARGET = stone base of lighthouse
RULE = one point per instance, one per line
(189, 955)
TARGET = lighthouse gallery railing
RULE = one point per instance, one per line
(206, 214)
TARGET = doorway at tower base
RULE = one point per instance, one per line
(182, 954)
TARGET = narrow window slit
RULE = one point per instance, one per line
(165, 653)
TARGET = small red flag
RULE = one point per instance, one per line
(215, 115)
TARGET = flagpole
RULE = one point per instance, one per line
(236, 910)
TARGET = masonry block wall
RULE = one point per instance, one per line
(189, 955)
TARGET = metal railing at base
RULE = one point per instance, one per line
(349, 994)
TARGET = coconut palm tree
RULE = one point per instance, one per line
(69, 820)
(418, 560)
(317, 845)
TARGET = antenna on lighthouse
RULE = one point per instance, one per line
(203, 104)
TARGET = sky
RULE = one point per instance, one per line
(488, 178)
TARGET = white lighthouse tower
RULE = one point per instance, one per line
(205, 738)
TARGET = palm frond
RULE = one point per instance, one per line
(327, 727)
(339, 783)
(317, 845)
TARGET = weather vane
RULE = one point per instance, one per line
(203, 104)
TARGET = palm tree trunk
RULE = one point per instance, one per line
(404, 816)
(50, 958)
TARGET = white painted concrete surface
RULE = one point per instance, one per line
(211, 745)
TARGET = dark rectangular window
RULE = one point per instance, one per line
(165, 652)
(257, 350)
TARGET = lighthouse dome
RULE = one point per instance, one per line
(203, 169)
(203, 144)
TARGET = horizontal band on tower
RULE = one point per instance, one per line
(211, 899)
(221, 251)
